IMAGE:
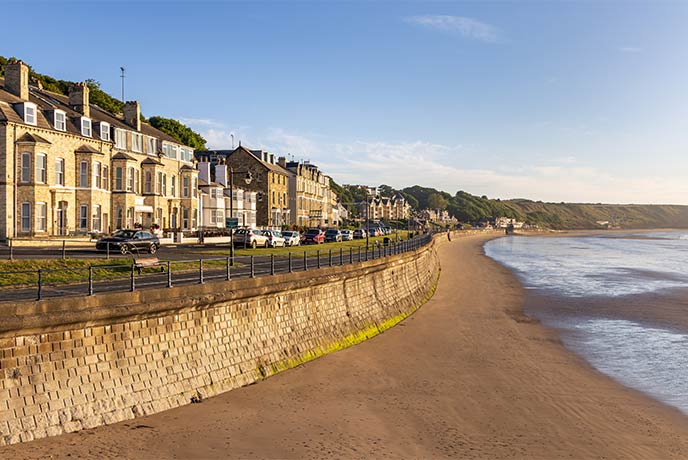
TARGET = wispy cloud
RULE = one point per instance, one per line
(467, 27)
(631, 49)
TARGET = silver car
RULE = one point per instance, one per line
(291, 238)
(347, 235)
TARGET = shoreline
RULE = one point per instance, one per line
(469, 375)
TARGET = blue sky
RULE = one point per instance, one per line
(559, 101)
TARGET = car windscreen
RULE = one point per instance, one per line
(124, 233)
(313, 232)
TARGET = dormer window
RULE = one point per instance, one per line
(105, 131)
(60, 120)
(30, 113)
(120, 139)
(137, 142)
(152, 146)
(86, 127)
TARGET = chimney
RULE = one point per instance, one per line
(272, 158)
(78, 98)
(282, 162)
(17, 79)
(132, 114)
(204, 170)
(221, 174)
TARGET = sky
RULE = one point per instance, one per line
(578, 101)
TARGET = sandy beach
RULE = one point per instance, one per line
(467, 376)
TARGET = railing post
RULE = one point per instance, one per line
(229, 263)
(318, 254)
(305, 261)
(341, 256)
(40, 284)
(330, 257)
(253, 268)
(132, 285)
(290, 269)
(169, 274)
(64, 249)
(107, 250)
(200, 271)
(90, 280)
(351, 255)
(272, 264)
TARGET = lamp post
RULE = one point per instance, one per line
(247, 178)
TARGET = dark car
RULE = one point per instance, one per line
(314, 236)
(130, 242)
(333, 235)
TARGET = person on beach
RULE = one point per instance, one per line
(449, 234)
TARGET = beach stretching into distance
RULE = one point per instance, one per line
(467, 376)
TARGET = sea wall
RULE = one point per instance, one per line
(74, 363)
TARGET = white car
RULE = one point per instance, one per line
(347, 235)
(274, 238)
(291, 238)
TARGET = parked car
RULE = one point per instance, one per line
(275, 238)
(250, 238)
(374, 231)
(130, 242)
(360, 233)
(347, 235)
(313, 236)
(291, 238)
(333, 235)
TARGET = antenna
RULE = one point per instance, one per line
(122, 77)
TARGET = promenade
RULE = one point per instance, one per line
(467, 376)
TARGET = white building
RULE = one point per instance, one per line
(216, 199)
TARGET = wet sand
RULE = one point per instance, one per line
(467, 376)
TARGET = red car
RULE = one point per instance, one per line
(314, 236)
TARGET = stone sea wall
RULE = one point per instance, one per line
(74, 363)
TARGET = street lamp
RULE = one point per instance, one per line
(247, 178)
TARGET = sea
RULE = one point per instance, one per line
(620, 300)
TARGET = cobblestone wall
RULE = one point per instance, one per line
(74, 363)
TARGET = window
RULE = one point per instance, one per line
(120, 138)
(83, 217)
(195, 217)
(60, 120)
(118, 216)
(160, 216)
(96, 218)
(97, 175)
(195, 187)
(213, 216)
(30, 113)
(173, 186)
(59, 171)
(130, 179)
(83, 174)
(86, 127)
(213, 193)
(148, 184)
(185, 218)
(130, 217)
(137, 142)
(152, 146)
(41, 217)
(185, 190)
(164, 185)
(137, 178)
(106, 178)
(25, 167)
(158, 184)
(26, 217)
(41, 168)
(170, 151)
(185, 154)
(105, 131)
(118, 179)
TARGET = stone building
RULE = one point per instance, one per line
(310, 194)
(69, 167)
(269, 181)
(219, 200)
(386, 208)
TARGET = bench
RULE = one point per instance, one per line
(145, 262)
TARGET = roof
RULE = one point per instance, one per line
(151, 161)
(33, 139)
(48, 101)
(123, 156)
(272, 167)
(87, 149)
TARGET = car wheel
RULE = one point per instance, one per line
(152, 249)
(254, 244)
(124, 249)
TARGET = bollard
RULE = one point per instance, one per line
(40, 284)
(132, 285)
(272, 264)
(90, 280)
(253, 268)
(290, 270)
(200, 271)
(64, 249)
(229, 263)
(169, 274)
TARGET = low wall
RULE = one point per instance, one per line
(75, 363)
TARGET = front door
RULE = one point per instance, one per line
(62, 218)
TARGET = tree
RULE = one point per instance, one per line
(182, 133)
(437, 201)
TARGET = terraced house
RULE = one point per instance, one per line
(69, 167)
